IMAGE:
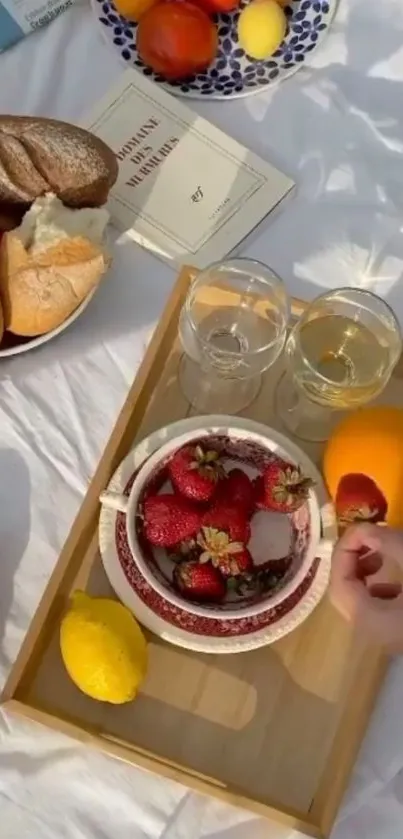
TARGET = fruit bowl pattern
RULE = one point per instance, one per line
(214, 627)
(253, 458)
(233, 73)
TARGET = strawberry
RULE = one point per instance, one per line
(169, 519)
(236, 564)
(258, 488)
(284, 488)
(228, 519)
(241, 563)
(199, 582)
(359, 499)
(237, 489)
(231, 558)
(195, 471)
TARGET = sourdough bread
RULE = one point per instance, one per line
(39, 155)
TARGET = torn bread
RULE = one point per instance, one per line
(49, 265)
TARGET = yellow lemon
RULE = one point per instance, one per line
(261, 28)
(103, 648)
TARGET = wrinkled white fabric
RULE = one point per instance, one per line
(337, 128)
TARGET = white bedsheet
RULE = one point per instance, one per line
(338, 129)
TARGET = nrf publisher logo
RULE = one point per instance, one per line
(197, 196)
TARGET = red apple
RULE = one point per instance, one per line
(176, 39)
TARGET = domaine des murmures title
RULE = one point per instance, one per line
(139, 150)
(146, 127)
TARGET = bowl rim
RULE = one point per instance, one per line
(278, 443)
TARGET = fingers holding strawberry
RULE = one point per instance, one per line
(359, 499)
(365, 586)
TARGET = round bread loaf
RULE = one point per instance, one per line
(39, 292)
(39, 155)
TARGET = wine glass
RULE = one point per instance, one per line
(233, 326)
(339, 355)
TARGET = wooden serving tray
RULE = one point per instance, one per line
(276, 730)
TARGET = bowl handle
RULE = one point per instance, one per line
(114, 501)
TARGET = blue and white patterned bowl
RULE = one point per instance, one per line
(233, 73)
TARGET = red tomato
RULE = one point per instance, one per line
(214, 7)
(176, 39)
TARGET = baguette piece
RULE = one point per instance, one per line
(39, 155)
(49, 265)
(38, 294)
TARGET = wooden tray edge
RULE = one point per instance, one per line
(85, 519)
(348, 741)
(150, 762)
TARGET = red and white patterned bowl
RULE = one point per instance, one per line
(211, 626)
(298, 535)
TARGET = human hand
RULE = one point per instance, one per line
(364, 586)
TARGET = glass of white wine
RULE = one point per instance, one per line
(232, 327)
(339, 355)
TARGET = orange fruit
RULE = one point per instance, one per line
(134, 9)
(368, 442)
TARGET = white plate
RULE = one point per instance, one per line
(164, 627)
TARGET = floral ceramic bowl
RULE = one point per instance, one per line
(283, 547)
(233, 73)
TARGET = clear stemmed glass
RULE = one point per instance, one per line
(339, 355)
(233, 326)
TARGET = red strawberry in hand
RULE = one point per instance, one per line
(359, 499)
(169, 519)
(237, 489)
(283, 489)
(194, 472)
(199, 582)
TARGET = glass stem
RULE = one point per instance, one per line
(303, 418)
